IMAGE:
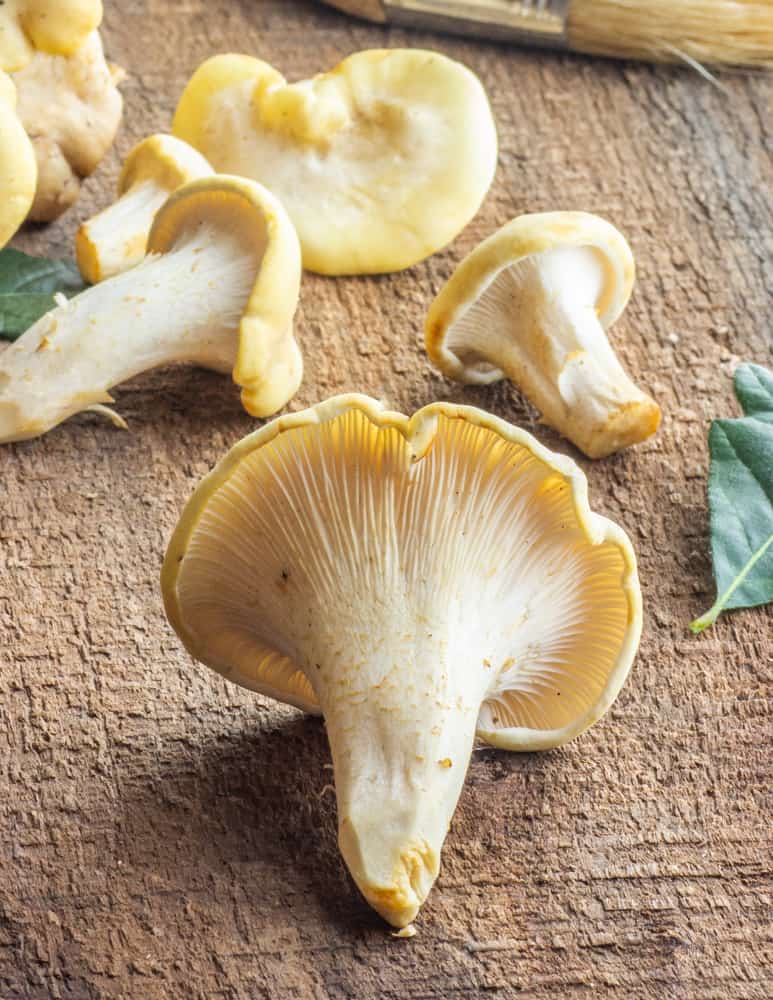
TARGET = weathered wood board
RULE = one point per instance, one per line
(165, 835)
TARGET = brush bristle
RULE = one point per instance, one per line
(710, 32)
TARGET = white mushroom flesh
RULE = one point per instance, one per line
(183, 305)
(412, 599)
(537, 323)
(118, 235)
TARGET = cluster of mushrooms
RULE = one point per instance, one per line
(420, 582)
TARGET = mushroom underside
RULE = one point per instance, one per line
(411, 600)
(479, 537)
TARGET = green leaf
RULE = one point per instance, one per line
(741, 498)
(27, 288)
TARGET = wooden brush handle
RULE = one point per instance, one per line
(537, 22)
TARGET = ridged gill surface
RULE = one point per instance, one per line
(330, 541)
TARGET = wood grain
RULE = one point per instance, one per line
(165, 835)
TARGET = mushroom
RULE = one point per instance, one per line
(18, 171)
(533, 303)
(379, 162)
(71, 109)
(418, 581)
(218, 287)
(115, 239)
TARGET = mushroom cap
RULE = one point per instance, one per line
(521, 238)
(269, 366)
(164, 159)
(349, 512)
(58, 27)
(18, 169)
(380, 162)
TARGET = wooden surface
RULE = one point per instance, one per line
(165, 835)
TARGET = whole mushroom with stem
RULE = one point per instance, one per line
(419, 582)
(533, 303)
(218, 287)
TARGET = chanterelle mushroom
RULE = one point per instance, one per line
(532, 303)
(417, 581)
(218, 287)
(68, 101)
(115, 240)
(379, 162)
(18, 172)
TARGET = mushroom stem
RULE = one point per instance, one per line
(400, 714)
(183, 305)
(115, 239)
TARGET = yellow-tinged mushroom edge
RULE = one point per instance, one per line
(213, 75)
(523, 237)
(419, 432)
(269, 367)
(163, 158)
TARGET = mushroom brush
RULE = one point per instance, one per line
(218, 287)
(712, 32)
(532, 303)
(116, 238)
(419, 582)
(379, 162)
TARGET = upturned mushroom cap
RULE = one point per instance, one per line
(417, 581)
(218, 287)
(116, 238)
(58, 27)
(18, 171)
(379, 162)
(533, 303)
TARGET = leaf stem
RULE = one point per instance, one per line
(712, 614)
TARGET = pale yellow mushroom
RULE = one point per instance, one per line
(115, 239)
(18, 171)
(418, 581)
(218, 287)
(532, 303)
(68, 101)
(379, 163)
